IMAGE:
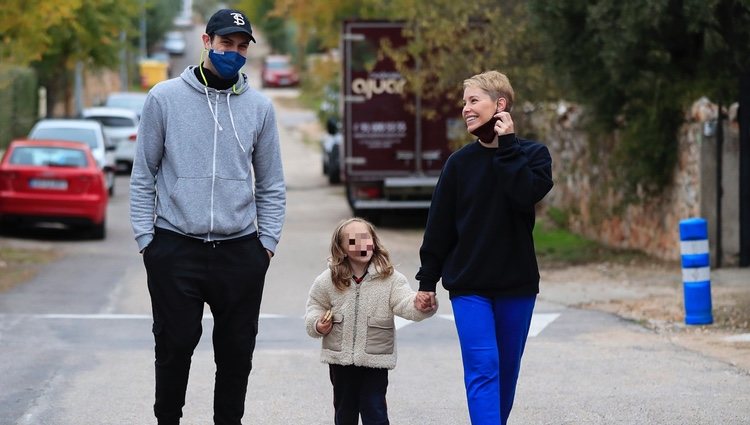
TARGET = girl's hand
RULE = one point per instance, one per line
(425, 301)
(324, 323)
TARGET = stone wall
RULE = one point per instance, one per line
(587, 191)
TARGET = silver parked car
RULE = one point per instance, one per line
(128, 100)
(121, 128)
(84, 131)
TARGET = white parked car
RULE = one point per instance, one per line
(128, 100)
(121, 128)
(174, 43)
(89, 132)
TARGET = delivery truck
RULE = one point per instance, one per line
(391, 153)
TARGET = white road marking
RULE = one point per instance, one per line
(127, 316)
(738, 338)
(400, 322)
(539, 321)
(94, 316)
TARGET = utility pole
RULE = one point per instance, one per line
(143, 52)
(78, 97)
(123, 62)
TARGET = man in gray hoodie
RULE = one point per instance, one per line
(207, 203)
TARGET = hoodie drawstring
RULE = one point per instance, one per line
(231, 118)
(216, 119)
(213, 114)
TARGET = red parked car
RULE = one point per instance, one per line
(277, 71)
(53, 181)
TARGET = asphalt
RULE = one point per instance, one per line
(581, 365)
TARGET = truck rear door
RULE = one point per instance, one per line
(392, 152)
(380, 132)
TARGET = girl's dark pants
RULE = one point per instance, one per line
(183, 274)
(359, 391)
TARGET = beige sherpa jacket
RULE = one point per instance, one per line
(363, 332)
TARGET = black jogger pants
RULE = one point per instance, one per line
(183, 274)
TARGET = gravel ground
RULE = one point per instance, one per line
(651, 294)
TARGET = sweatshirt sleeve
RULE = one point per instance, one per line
(317, 304)
(402, 300)
(440, 232)
(270, 189)
(148, 155)
(525, 172)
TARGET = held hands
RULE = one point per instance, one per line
(425, 301)
(324, 323)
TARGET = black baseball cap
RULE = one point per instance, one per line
(229, 21)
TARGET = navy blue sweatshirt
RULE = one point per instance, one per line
(478, 237)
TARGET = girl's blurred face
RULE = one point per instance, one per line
(357, 242)
(478, 107)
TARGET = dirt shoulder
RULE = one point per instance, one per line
(651, 294)
(20, 262)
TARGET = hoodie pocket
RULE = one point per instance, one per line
(335, 339)
(191, 205)
(381, 335)
(234, 207)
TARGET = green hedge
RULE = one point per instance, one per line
(19, 97)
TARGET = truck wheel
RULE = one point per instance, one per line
(334, 176)
(372, 216)
(350, 201)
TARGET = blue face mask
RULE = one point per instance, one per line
(227, 64)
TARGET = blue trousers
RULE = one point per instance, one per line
(492, 333)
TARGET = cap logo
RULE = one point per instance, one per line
(239, 20)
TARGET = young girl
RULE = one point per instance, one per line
(351, 306)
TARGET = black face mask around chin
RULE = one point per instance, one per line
(486, 131)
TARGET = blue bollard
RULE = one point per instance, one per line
(696, 271)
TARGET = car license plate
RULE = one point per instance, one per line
(284, 81)
(48, 184)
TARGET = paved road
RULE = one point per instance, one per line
(76, 346)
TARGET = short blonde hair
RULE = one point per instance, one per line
(495, 84)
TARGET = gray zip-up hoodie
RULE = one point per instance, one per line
(207, 163)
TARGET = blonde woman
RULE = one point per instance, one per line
(358, 294)
(478, 240)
